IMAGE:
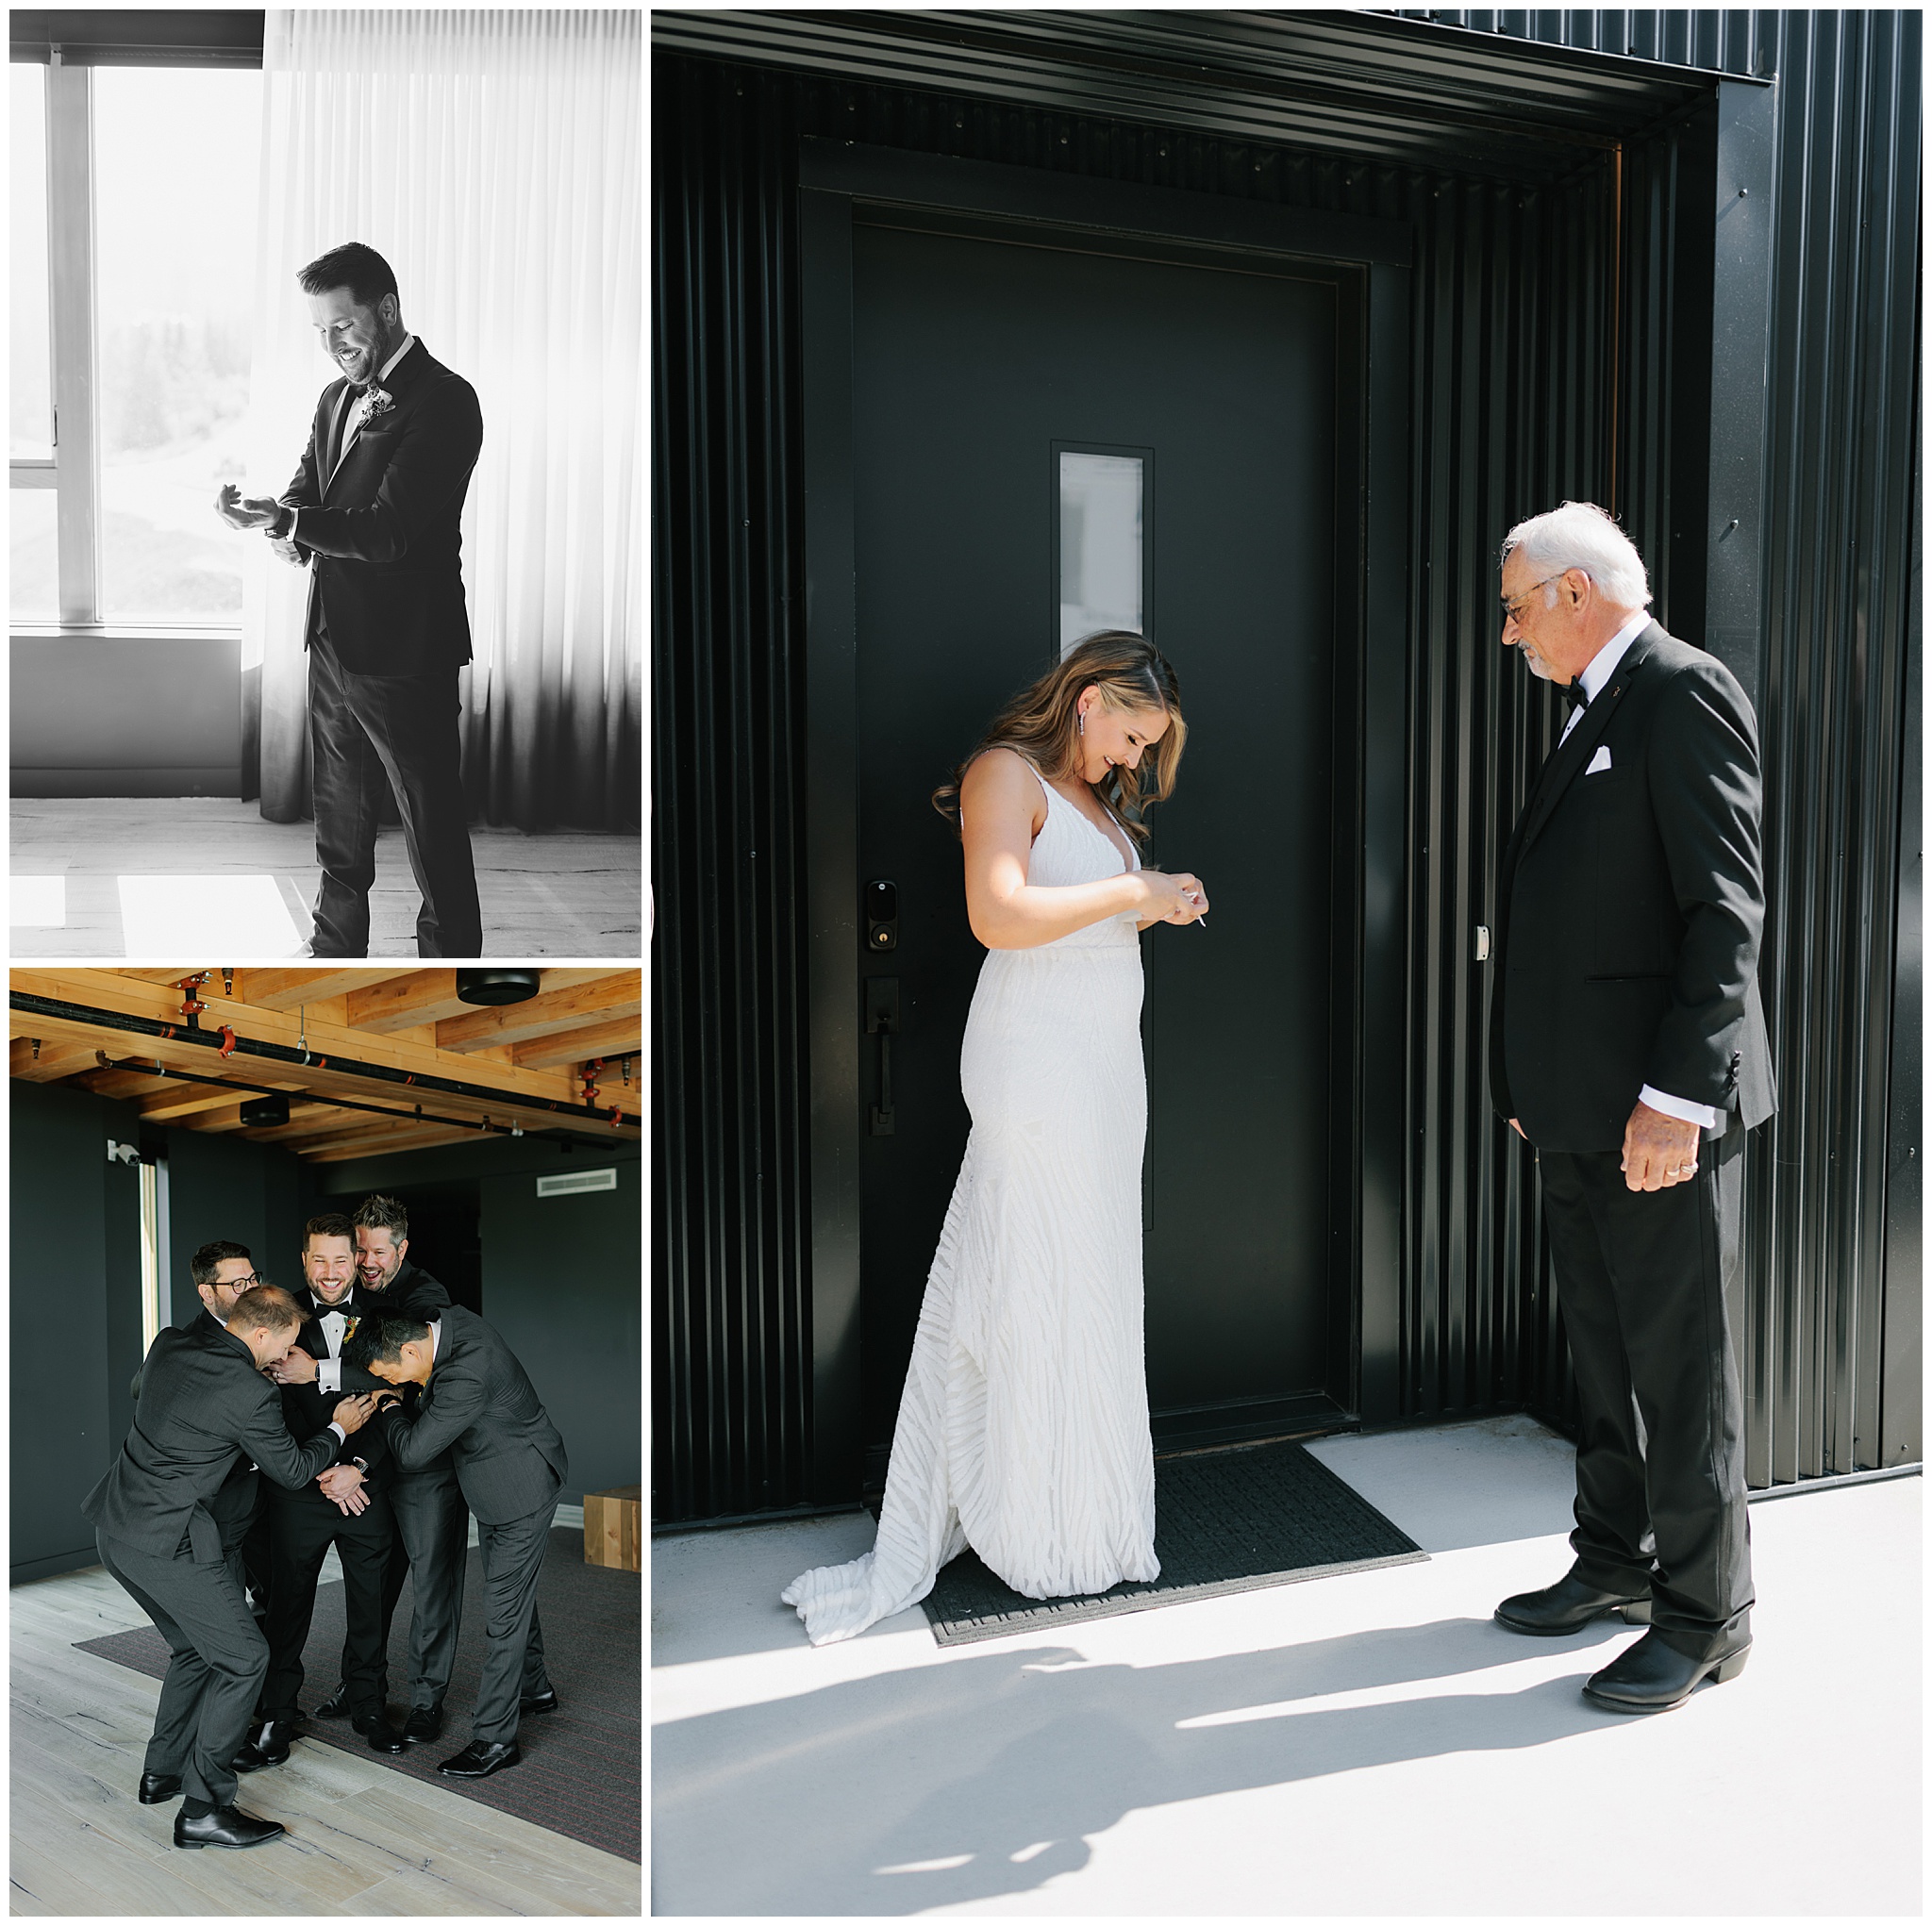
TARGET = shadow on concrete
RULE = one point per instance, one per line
(986, 1776)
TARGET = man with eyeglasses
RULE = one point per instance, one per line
(221, 1272)
(1627, 1045)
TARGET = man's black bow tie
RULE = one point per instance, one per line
(1575, 693)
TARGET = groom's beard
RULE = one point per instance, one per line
(380, 349)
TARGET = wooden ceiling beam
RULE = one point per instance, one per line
(53, 1062)
(547, 1015)
(620, 1036)
(369, 1143)
(289, 989)
(181, 1100)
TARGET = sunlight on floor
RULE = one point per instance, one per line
(169, 915)
(37, 903)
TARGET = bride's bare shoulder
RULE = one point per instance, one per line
(1002, 779)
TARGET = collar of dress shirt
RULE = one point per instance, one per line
(435, 1338)
(1603, 665)
(408, 343)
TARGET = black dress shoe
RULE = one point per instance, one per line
(156, 1787)
(480, 1758)
(336, 1704)
(1568, 1605)
(1652, 1676)
(425, 1721)
(267, 1745)
(381, 1735)
(544, 1701)
(228, 1825)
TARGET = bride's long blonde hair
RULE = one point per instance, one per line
(1042, 723)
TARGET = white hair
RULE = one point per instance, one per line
(1580, 536)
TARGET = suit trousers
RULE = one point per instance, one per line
(304, 1526)
(512, 1638)
(368, 732)
(218, 1657)
(1660, 1496)
(431, 1548)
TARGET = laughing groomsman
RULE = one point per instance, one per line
(478, 1405)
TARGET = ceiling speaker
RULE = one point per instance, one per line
(264, 1112)
(498, 986)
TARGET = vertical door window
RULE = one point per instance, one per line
(150, 1255)
(33, 588)
(1102, 550)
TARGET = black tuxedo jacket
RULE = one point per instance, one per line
(307, 1408)
(381, 530)
(483, 1410)
(1631, 903)
(202, 1401)
(411, 1292)
(234, 1507)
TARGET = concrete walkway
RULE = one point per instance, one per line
(1370, 1744)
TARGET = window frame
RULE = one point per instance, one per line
(69, 45)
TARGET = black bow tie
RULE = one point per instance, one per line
(1575, 693)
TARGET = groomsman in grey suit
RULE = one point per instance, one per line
(203, 1399)
(478, 1405)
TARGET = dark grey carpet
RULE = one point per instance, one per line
(582, 1770)
(1224, 1522)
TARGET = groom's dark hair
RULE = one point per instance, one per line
(354, 266)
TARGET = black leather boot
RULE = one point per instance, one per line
(1569, 1605)
(1654, 1676)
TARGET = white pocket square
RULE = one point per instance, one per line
(1601, 760)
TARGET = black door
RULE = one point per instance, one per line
(993, 369)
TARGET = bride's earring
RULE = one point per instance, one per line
(1081, 719)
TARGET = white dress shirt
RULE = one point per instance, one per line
(1603, 665)
(353, 427)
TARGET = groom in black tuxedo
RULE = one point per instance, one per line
(1628, 1044)
(374, 512)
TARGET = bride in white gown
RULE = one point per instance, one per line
(1023, 1427)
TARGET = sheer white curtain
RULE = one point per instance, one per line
(494, 160)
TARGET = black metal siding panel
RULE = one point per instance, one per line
(1826, 1319)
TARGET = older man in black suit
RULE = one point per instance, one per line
(374, 511)
(478, 1405)
(1628, 1044)
(203, 1399)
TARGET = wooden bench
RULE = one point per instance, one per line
(614, 1528)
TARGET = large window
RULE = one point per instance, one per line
(134, 192)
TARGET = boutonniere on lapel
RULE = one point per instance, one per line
(375, 401)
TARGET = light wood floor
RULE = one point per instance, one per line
(564, 894)
(362, 1839)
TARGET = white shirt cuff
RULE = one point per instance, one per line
(1682, 1108)
(328, 1374)
(342, 1436)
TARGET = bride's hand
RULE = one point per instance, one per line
(1174, 898)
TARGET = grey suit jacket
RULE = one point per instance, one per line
(482, 1410)
(201, 1401)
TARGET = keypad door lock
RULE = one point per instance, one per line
(881, 917)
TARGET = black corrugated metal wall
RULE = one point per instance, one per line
(1518, 351)
(1827, 1261)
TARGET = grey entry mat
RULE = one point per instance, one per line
(582, 1770)
(1224, 1522)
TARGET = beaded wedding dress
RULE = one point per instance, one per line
(1023, 1427)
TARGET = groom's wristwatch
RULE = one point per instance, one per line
(284, 525)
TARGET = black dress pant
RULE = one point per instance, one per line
(215, 1670)
(305, 1525)
(432, 1549)
(1640, 1277)
(368, 733)
(512, 1638)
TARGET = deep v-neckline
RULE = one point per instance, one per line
(1127, 857)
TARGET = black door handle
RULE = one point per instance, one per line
(882, 1021)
